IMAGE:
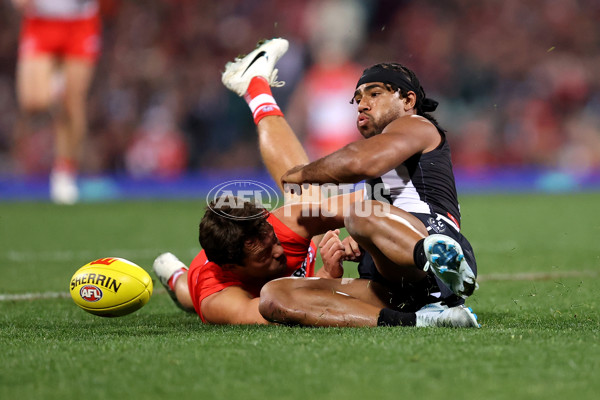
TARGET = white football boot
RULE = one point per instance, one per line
(164, 266)
(63, 188)
(445, 257)
(260, 62)
(438, 315)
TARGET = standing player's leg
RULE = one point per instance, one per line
(70, 129)
(34, 83)
(81, 41)
(72, 121)
(34, 96)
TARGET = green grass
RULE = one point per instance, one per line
(538, 303)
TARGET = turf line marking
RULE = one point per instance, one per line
(527, 276)
(89, 255)
(537, 276)
(34, 296)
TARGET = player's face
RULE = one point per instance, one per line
(377, 107)
(265, 259)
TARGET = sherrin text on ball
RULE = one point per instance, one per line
(111, 287)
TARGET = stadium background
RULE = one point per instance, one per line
(516, 81)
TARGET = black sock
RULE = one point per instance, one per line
(389, 317)
(419, 254)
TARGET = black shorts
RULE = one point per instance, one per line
(412, 296)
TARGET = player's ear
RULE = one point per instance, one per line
(410, 100)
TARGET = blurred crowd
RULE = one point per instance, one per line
(516, 80)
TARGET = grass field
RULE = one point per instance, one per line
(539, 263)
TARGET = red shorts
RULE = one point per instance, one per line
(77, 38)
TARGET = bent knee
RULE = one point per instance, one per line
(277, 301)
(359, 221)
(271, 300)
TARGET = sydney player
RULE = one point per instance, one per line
(58, 36)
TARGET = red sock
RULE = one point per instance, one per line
(174, 277)
(260, 99)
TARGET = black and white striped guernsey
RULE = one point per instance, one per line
(422, 184)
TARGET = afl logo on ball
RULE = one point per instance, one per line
(90, 293)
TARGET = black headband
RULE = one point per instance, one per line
(387, 76)
(397, 78)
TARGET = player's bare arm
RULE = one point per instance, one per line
(232, 306)
(371, 157)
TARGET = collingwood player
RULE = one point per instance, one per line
(407, 152)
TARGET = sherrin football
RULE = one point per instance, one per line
(111, 287)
